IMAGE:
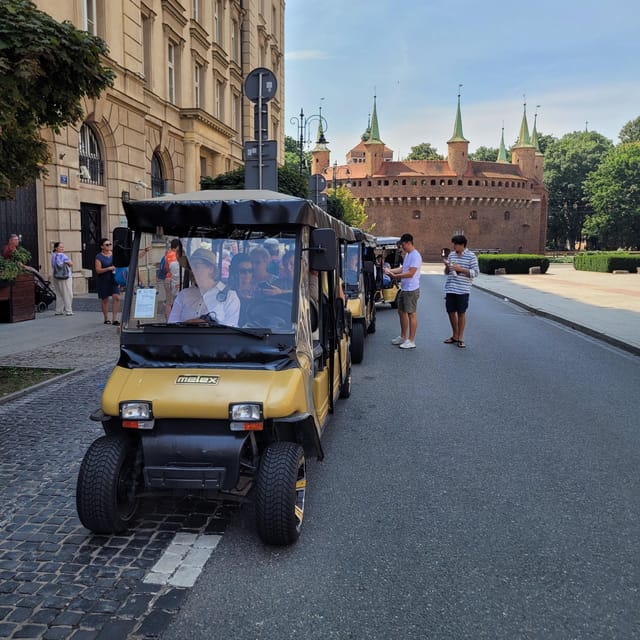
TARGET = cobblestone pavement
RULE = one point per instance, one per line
(58, 580)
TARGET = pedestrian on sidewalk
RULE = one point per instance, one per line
(62, 272)
(409, 275)
(460, 267)
(106, 282)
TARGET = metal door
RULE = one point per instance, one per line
(91, 231)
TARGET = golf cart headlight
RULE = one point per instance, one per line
(136, 411)
(246, 412)
(246, 416)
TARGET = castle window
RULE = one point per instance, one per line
(493, 183)
(386, 183)
(449, 182)
(442, 183)
(470, 183)
(404, 182)
(368, 183)
(395, 183)
(500, 183)
(414, 182)
(473, 215)
(416, 215)
(459, 183)
(424, 183)
(477, 183)
(507, 215)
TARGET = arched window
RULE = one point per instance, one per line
(157, 179)
(473, 215)
(90, 157)
(507, 215)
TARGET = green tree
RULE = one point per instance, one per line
(289, 181)
(343, 205)
(292, 155)
(424, 151)
(631, 131)
(568, 162)
(613, 190)
(46, 67)
(486, 153)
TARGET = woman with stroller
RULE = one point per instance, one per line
(62, 272)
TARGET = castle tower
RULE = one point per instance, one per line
(458, 145)
(523, 152)
(320, 154)
(374, 147)
(538, 167)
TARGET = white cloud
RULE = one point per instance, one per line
(309, 54)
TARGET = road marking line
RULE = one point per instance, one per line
(183, 560)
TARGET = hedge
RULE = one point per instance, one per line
(511, 262)
(606, 262)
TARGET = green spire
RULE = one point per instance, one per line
(457, 127)
(321, 141)
(534, 133)
(374, 136)
(524, 140)
(367, 132)
(502, 152)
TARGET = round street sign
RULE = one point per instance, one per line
(260, 80)
(317, 182)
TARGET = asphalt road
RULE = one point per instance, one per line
(487, 492)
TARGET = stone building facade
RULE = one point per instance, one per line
(175, 113)
(498, 205)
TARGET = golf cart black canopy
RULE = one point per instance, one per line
(179, 215)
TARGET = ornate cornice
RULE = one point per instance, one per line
(207, 120)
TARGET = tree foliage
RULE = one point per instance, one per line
(630, 132)
(486, 154)
(292, 156)
(289, 181)
(613, 190)
(341, 204)
(424, 151)
(568, 162)
(46, 68)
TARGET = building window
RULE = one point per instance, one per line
(171, 69)
(507, 215)
(416, 215)
(473, 215)
(219, 100)
(197, 91)
(197, 10)
(235, 40)
(236, 114)
(217, 21)
(414, 183)
(89, 22)
(158, 186)
(90, 157)
(146, 49)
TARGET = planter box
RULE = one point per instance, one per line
(17, 301)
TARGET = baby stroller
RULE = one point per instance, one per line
(45, 295)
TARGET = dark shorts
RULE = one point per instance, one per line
(408, 301)
(456, 302)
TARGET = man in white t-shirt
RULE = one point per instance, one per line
(409, 275)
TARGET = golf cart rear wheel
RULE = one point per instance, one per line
(280, 493)
(345, 388)
(357, 342)
(106, 498)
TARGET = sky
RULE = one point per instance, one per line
(576, 63)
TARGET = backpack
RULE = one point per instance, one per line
(161, 271)
(120, 276)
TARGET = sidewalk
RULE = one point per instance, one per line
(603, 305)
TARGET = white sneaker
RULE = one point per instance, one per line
(407, 344)
(398, 341)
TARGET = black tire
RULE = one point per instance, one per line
(41, 307)
(357, 342)
(280, 493)
(106, 498)
(345, 389)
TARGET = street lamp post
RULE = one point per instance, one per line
(304, 132)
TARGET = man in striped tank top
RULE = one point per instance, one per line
(460, 267)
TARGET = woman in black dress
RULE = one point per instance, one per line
(106, 283)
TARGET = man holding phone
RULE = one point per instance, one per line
(409, 275)
(460, 267)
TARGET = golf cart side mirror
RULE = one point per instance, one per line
(122, 244)
(323, 250)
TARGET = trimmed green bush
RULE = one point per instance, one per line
(606, 261)
(511, 262)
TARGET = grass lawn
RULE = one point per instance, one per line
(16, 378)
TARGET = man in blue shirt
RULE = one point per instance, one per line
(409, 275)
